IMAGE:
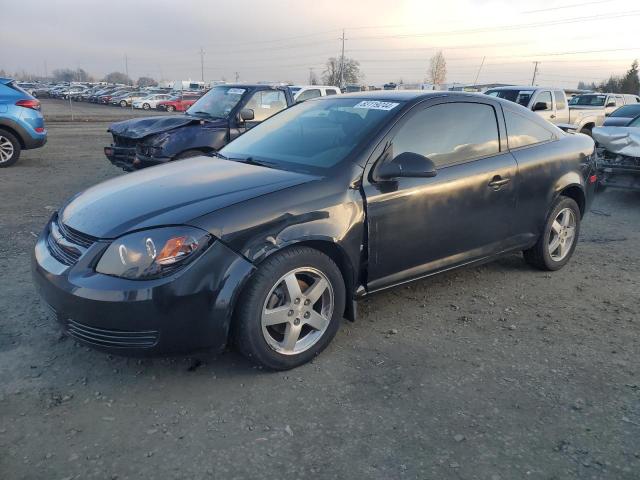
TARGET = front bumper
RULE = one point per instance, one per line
(619, 176)
(189, 310)
(129, 160)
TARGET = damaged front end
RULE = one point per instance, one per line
(618, 156)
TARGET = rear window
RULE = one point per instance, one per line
(560, 99)
(522, 131)
(521, 97)
(14, 86)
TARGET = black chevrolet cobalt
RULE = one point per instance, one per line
(269, 244)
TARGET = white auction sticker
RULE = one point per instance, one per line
(376, 105)
(236, 91)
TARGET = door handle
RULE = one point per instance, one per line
(498, 182)
(552, 116)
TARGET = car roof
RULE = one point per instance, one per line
(4, 81)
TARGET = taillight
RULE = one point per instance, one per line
(39, 129)
(32, 103)
(593, 179)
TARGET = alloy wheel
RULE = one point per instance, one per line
(297, 311)
(6, 149)
(563, 234)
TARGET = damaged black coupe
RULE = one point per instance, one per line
(270, 242)
(221, 115)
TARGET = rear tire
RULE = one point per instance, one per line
(559, 238)
(9, 149)
(146, 106)
(123, 103)
(170, 108)
(291, 308)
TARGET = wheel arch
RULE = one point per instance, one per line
(339, 256)
(14, 132)
(576, 193)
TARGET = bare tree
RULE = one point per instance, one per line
(437, 73)
(117, 77)
(331, 74)
(147, 82)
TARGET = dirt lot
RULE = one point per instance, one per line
(496, 372)
(58, 110)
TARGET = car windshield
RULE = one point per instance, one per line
(589, 100)
(312, 136)
(628, 111)
(521, 97)
(218, 102)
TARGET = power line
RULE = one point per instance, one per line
(581, 5)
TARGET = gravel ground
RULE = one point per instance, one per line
(495, 372)
(58, 110)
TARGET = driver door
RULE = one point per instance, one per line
(422, 225)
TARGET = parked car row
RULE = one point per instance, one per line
(582, 113)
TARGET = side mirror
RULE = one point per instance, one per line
(407, 164)
(611, 104)
(247, 114)
(540, 106)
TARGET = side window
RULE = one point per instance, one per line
(522, 131)
(308, 94)
(545, 97)
(450, 133)
(330, 91)
(560, 99)
(266, 103)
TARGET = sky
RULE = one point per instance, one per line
(281, 40)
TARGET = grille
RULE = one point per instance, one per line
(124, 141)
(112, 338)
(64, 255)
(75, 236)
(66, 244)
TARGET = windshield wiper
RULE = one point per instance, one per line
(253, 161)
(200, 112)
(219, 155)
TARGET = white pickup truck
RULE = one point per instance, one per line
(552, 105)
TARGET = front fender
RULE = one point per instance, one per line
(193, 137)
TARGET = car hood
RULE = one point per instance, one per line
(141, 127)
(171, 194)
(616, 121)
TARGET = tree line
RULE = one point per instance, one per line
(627, 83)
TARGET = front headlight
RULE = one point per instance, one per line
(153, 253)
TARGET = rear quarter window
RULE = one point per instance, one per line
(524, 132)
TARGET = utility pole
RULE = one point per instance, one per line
(202, 63)
(311, 76)
(45, 70)
(475, 81)
(237, 77)
(126, 65)
(342, 61)
(535, 72)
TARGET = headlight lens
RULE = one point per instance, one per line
(153, 253)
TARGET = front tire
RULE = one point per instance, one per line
(559, 237)
(170, 108)
(123, 103)
(291, 309)
(9, 149)
(146, 106)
